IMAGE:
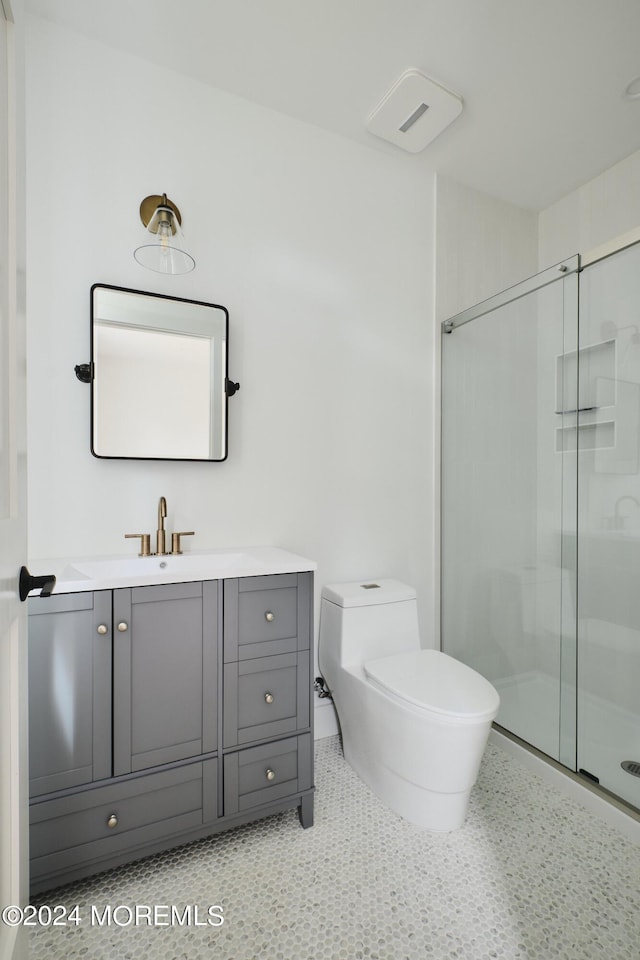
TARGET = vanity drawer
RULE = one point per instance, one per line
(265, 773)
(264, 698)
(266, 616)
(75, 829)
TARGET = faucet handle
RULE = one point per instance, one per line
(145, 542)
(175, 539)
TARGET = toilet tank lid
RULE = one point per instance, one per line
(365, 593)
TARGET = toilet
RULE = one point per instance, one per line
(414, 722)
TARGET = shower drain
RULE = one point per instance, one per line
(632, 767)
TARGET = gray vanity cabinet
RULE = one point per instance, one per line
(165, 654)
(267, 682)
(69, 691)
(162, 714)
(79, 833)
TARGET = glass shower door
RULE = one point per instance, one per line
(609, 524)
(509, 382)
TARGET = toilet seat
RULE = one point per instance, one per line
(435, 683)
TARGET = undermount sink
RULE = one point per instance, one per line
(106, 573)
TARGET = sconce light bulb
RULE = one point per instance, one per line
(164, 233)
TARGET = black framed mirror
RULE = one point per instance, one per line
(159, 376)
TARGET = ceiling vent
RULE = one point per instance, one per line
(414, 112)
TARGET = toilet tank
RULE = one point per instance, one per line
(364, 620)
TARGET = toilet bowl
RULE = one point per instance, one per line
(414, 722)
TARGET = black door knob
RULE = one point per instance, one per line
(27, 583)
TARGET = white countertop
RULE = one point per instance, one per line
(78, 574)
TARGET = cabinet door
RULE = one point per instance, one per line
(165, 670)
(69, 690)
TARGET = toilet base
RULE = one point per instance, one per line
(438, 812)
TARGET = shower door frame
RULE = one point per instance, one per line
(539, 280)
(567, 740)
(606, 251)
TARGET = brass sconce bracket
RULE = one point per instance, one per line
(149, 206)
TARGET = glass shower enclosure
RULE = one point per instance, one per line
(541, 510)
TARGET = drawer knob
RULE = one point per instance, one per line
(270, 774)
(123, 627)
(112, 821)
(269, 616)
(268, 698)
(102, 629)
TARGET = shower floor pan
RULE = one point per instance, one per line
(608, 734)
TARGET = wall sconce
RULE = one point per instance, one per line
(163, 250)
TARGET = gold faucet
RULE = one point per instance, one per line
(160, 542)
(161, 536)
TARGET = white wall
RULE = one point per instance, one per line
(483, 246)
(601, 210)
(322, 252)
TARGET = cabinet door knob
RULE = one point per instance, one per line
(270, 774)
(269, 616)
(268, 698)
(123, 627)
(102, 629)
(112, 821)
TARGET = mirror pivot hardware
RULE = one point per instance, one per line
(84, 372)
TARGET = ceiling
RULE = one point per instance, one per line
(542, 80)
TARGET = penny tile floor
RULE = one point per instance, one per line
(530, 876)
